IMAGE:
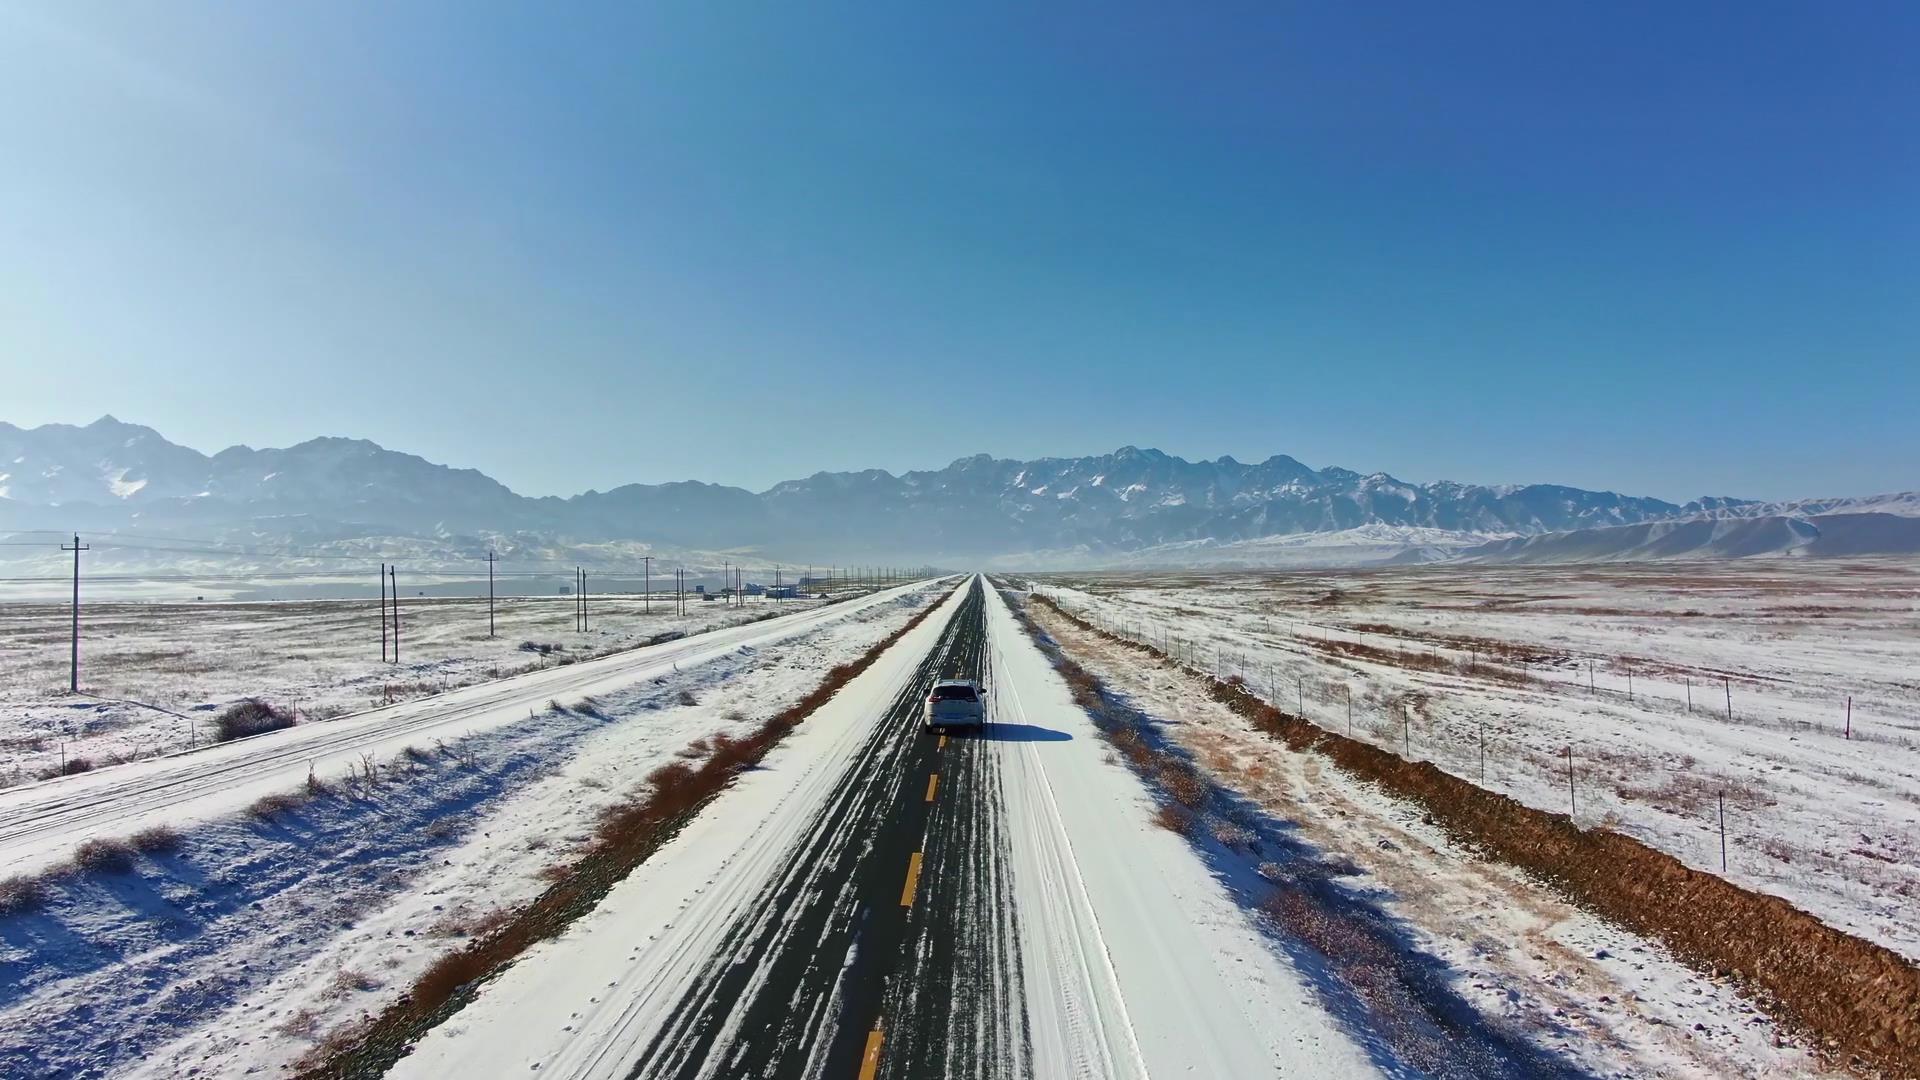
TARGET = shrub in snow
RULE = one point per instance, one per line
(103, 856)
(267, 806)
(153, 841)
(20, 893)
(71, 766)
(251, 716)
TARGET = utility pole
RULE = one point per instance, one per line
(383, 613)
(583, 600)
(491, 559)
(393, 575)
(646, 588)
(73, 679)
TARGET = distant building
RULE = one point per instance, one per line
(754, 590)
(701, 589)
(782, 592)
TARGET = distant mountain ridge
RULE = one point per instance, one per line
(111, 474)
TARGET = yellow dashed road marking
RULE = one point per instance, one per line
(913, 880)
(943, 742)
(870, 1061)
(933, 782)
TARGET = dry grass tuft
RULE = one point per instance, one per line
(103, 856)
(267, 807)
(251, 716)
(1175, 819)
(20, 893)
(156, 839)
(70, 767)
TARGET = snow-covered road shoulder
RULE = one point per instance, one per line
(1138, 962)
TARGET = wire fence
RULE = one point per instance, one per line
(1736, 815)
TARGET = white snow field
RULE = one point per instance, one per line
(1615, 1003)
(40, 823)
(257, 934)
(154, 675)
(1603, 660)
(1135, 960)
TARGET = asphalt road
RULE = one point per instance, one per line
(886, 925)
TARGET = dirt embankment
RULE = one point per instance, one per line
(1859, 1001)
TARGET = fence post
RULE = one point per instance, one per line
(1723, 831)
(1849, 716)
(1483, 753)
(1727, 681)
(1573, 804)
(1689, 693)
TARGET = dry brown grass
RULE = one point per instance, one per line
(70, 767)
(267, 807)
(21, 893)
(103, 856)
(251, 716)
(156, 840)
(1175, 819)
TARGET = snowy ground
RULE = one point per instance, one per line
(184, 662)
(261, 931)
(1616, 1003)
(1132, 960)
(1434, 659)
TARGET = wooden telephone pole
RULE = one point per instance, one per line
(491, 559)
(73, 678)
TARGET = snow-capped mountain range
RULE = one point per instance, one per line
(1106, 508)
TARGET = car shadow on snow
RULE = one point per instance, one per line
(994, 732)
(1363, 964)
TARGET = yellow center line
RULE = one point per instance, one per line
(870, 1061)
(933, 782)
(943, 743)
(913, 879)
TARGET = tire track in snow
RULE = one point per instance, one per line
(791, 985)
(40, 823)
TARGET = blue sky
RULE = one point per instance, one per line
(1667, 249)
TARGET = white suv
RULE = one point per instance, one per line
(953, 703)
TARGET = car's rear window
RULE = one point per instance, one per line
(954, 693)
